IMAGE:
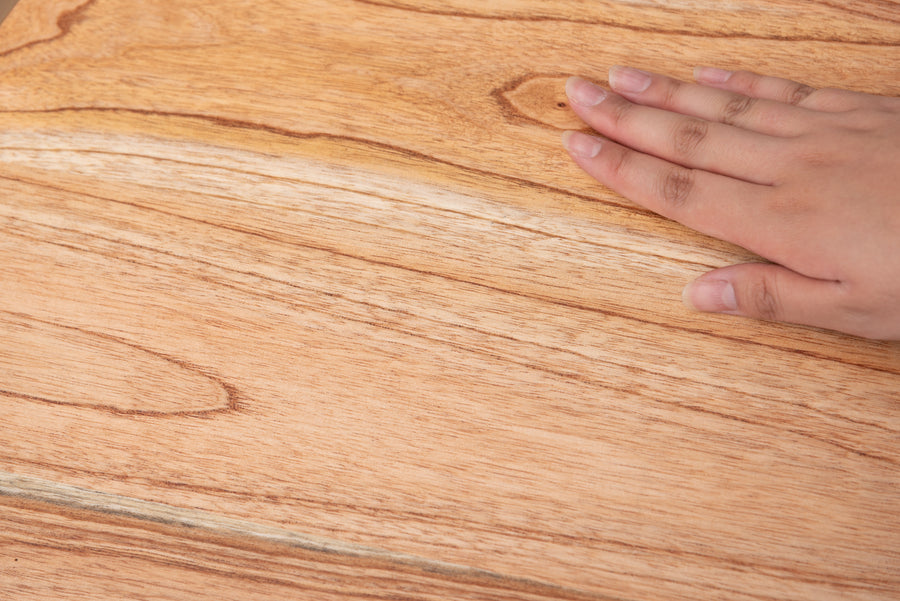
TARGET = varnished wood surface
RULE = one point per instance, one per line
(304, 300)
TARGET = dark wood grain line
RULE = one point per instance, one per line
(230, 392)
(65, 22)
(254, 291)
(84, 549)
(890, 8)
(570, 375)
(117, 411)
(277, 239)
(524, 18)
(773, 566)
(545, 298)
(509, 224)
(192, 523)
(230, 123)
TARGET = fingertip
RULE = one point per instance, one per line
(582, 92)
(581, 145)
(629, 80)
(709, 295)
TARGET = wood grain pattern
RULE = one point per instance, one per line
(321, 270)
(46, 363)
(106, 547)
(861, 22)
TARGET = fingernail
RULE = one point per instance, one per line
(627, 79)
(580, 144)
(584, 92)
(711, 296)
(711, 75)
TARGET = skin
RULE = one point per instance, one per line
(807, 179)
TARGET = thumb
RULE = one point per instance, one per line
(772, 293)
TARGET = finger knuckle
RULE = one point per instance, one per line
(817, 159)
(620, 112)
(865, 121)
(736, 108)
(860, 309)
(618, 163)
(676, 186)
(832, 99)
(671, 92)
(798, 92)
(763, 300)
(745, 80)
(689, 136)
(790, 203)
(810, 154)
(817, 154)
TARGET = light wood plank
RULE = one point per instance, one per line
(323, 267)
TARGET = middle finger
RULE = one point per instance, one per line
(682, 139)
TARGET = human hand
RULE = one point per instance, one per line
(808, 179)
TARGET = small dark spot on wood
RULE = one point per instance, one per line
(561, 105)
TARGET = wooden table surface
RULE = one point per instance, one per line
(304, 300)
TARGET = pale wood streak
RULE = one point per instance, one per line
(305, 299)
(208, 553)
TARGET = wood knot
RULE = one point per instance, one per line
(39, 22)
(538, 99)
(61, 365)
